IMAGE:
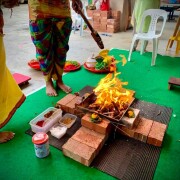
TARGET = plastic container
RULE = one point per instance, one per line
(91, 62)
(41, 144)
(68, 120)
(46, 122)
(58, 131)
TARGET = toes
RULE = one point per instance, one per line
(51, 94)
(66, 89)
(6, 136)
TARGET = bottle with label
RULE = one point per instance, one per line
(41, 144)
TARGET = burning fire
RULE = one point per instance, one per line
(111, 97)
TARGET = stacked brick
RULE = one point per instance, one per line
(86, 143)
(105, 21)
(103, 127)
(68, 104)
(147, 131)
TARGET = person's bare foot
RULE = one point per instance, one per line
(6, 136)
(50, 91)
(64, 87)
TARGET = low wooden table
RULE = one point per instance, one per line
(21, 79)
(173, 81)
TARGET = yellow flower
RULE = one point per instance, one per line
(104, 53)
(108, 60)
(94, 116)
(130, 114)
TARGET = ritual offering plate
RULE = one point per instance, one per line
(34, 64)
(71, 66)
(94, 70)
(103, 63)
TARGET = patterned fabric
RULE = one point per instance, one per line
(51, 37)
(40, 9)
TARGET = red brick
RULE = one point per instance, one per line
(71, 106)
(104, 25)
(103, 127)
(106, 14)
(103, 20)
(102, 29)
(79, 152)
(112, 30)
(156, 134)
(90, 138)
(110, 26)
(62, 102)
(97, 13)
(115, 14)
(66, 99)
(90, 21)
(90, 13)
(97, 28)
(143, 129)
(115, 26)
(113, 22)
(126, 131)
(96, 23)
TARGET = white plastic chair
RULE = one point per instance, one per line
(78, 18)
(152, 34)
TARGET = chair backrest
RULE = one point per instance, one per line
(154, 15)
(84, 11)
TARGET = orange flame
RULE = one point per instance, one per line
(110, 91)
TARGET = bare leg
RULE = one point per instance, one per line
(50, 91)
(145, 45)
(135, 45)
(135, 32)
(62, 86)
(6, 136)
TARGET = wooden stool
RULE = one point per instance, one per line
(173, 81)
(175, 37)
(21, 79)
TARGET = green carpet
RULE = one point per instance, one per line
(17, 157)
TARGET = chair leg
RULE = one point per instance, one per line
(81, 28)
(177, 47)
(157, 45)
(154, 53)
(142, 47)
(168, 44)
(131, 49)
(144, 44)
(75, 24)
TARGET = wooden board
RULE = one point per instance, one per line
(21, 79)
(173, 81)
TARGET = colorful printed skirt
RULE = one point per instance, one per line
(51, 38)
(11, 97)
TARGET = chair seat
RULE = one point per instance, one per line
(145, 36)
